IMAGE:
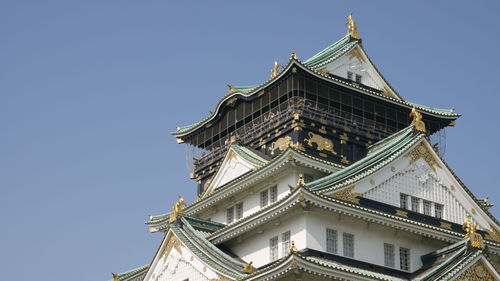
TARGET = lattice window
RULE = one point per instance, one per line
(348, 241)
(438, 210)
(415, 202)
(230, 215)
(427, 208)
(239, 210)
(331, 241)
(389, 259)
(273, 248)
(358, 78)
(264, 198)
(273, 191)
(349, 75)
(285, 243)
(404, 259)
(403, 201)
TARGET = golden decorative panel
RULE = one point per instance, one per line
(477, 272)
(355, 53)
(173, 242)
(281, 144)
(347, 195)
(476, 239)
(401, 213)
(421, 151)
(446, 225)
(323, 144)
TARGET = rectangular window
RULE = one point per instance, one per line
(348, 241)
(389, 255)
(331, 241)
(404, 259)
(230, 215)
(438, 209)
(403, 201)
(414, 204)
(273, 248)
(427, 208)
(239, 210)
(274, 193)
(349, 75)
(358, 78)
(264, 198)
(285, 242)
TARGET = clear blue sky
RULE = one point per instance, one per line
(89, 91)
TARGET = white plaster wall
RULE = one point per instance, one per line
(308, 230)
(251, 197)
(369, 239)
(254, 246)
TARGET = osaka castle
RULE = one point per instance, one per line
(322, 172)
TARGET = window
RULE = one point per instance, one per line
(358, 78)
(331, 241)
(427, 207)
(264, 198)
(285, 242)
(414, 204)
(389, 255)
(404, 259)
(239, 211)
(230, 215)
(403, 201)
(438, 209)
(273, 248)
(274, 193)
(349, 75)
(348, 241)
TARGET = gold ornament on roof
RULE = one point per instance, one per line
(294, 56)
(276, 69)
(177, 209)
(248, 268)
(476, 239)
(352, 28)
(321, 142)
(116, 277)
(417, 120)
(293, 248)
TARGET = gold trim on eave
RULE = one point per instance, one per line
(421, 151)
(347, 195)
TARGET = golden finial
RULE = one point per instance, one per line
(293, 248)
(231, 88)
(177, 209)
(293, 56)
(301, 181)
(476, 239)
(352, 29)
(248, 268)
(116, 277)
(417, 120)
(275, 70)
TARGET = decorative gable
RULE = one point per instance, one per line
(237, 162)
(427, 185)
(356, 66)
(480, 270)
(174, 261)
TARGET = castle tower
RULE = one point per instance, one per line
(323, 172)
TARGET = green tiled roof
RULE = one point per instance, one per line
(379, 155)
(243, 89)
(132, 272)
(206, 251)
(331, 52)
(249, 155)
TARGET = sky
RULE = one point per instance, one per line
(90, 91)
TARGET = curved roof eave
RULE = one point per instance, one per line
(292, 62)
